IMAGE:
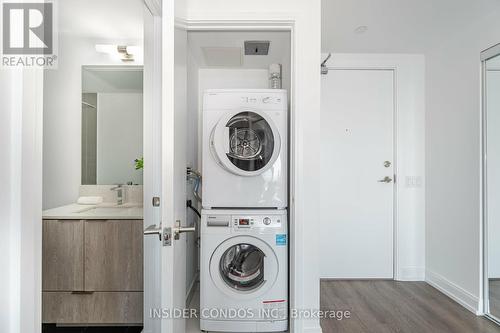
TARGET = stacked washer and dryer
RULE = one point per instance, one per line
(244, 235)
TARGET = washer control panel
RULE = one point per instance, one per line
(247, 222)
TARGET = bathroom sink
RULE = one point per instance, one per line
(110, 211)
(106, 210)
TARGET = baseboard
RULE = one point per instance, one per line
(304, 326)
(312, 330)
(191, 289)
(411, 273)
(455, 292)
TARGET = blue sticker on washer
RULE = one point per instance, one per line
(281, 239)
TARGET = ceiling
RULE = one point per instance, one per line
(399, 26)
(102, 19)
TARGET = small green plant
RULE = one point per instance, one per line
(139, 163)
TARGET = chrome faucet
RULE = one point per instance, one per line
(119, 192)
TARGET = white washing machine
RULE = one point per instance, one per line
(244, 274)
(245, 148)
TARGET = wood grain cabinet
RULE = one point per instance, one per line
(62, 255)
(113, 255)
(92, 272)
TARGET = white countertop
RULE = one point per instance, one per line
(104, 211)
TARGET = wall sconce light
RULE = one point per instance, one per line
(123, 52)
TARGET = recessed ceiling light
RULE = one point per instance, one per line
(361, 29)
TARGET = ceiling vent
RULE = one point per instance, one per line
(255, 47)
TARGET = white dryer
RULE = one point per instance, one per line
(245, 149)
(244, 274)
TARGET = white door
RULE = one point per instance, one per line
(357, 163)
(164, 169)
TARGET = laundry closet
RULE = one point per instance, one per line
(238, 114)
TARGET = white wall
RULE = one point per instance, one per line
(119, 137)
(409, 229)
(453, 157)
(306, 48)
(220, 78)
(62, 118)
(279, 49)
(493, 171)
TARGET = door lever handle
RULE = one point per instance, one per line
(386, 179)
(178, 230)
(153, 230)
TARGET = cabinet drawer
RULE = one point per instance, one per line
(92, 308)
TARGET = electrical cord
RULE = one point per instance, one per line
(189, 204)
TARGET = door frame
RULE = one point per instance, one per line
(284, 24)
(23, 207)
(483, 306)
(152, 145)
(408, 81)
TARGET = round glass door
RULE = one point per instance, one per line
(251, 141)
(246, 143)
(242, 267)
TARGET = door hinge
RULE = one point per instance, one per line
(167, 236)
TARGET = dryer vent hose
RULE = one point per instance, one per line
(196, 176)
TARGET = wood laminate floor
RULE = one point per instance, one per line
(391, 306)
(495, 297)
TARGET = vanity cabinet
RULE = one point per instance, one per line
(113, 255)
(92, 272)
(62, 255)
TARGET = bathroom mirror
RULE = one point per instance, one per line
(112, 124)
(491, 181)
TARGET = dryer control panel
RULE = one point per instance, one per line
(264, 99)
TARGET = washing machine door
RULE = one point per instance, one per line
(244, 266)
(246, 142)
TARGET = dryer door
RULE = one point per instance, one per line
(246, 143)
(244, 266)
